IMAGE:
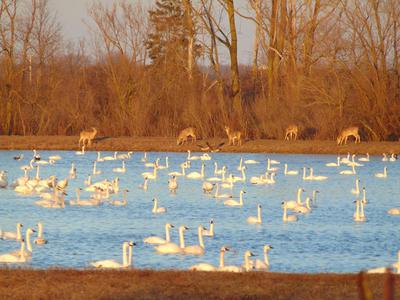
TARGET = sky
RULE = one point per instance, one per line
(72, 14)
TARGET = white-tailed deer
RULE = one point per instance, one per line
(351, 131)
(233, 136)
(185, 134)
(87, 136)
(291, 132)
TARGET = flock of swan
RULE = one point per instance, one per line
(56, 193)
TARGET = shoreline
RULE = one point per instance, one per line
(168, 144)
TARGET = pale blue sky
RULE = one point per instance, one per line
(72, 14)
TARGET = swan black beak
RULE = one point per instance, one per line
(172, 226)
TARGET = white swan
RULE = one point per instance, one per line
(172, 248)
(113, 157)
(382, 175)
(190, 157)
(304, 209)
(121, 169)
(345, 160)
(259, 264)
(385, 158)
(27, 254)
(356, 190)
(122, 202)
(40, 240)
(125, 155)
(72, 171)
(166, 166)
(145, 184)
(196, 175)
(9, 235)
(159, 240)
(232, 202)
(291, 172)
(209, 267)
(243, 178)
(94, 170)
(269, 168)
(207, 187)
(172, 184)
(209, 232)
(353, 162)
(240, 167)
(294, 203)
(82, 152)
(150, 175)
(218, 172)
(255, 220)
(196, 249)
(99, 158)
(13, 257)
(112, 264)
(178, 173)
(393, 157)
(156, 209)
(28, 167)
(381, 270)
(349, 172)
(220, 196)
(152, 164)
(305, 177)
(359, 215)
(235, 269)
(315, 177)
(286, 217)
(394, 211)
(364, 158)
(332, 164)
(251, 162)
(144, 158)
(205, 156)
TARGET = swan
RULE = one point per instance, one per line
(364, 199)
(99, 158)
(255, 220)
(178, 173)
(82, 152)
(79, 202)
(381, 270)
(294, 203)
(315, 177)
(345, 160)
(88, 180)
(286, 218)
(385, 158)
(218, 172)
(356, 191)
(393, 157)
(258, 179)
(112, 264)
(207, 187)
(12, 257)
(349, 172)
(269, 168)
(144, 158)
(119, 202)
(251, 162)
(26, 189)
(3, 179)
(114, 157)
(304, 209)
(145, 184)
(45, 162)
(246, 267)
(190, 157)
(94, 170)
(271, 179)
(359, 215)
(150, 175)
(305, 177)
(173, 184)
(72, 172)
(232, 202)
(274, 162)
(196, 175)
(120, 170)
(9, 235)
(220, 196)
(62, 184)
(27, 254)
(364, 158)
(125, 155)
(205, 156)
(166, 164)
(28, 167)
(153, 164)
(240, 167)
(158, 240)
(394, 211)
(156, 209)
(259, 264)
(196, 249)
(353, 162)
(209, 267)
(332, 164)
(209, 232)
(40, 240)
(314, 198)
(243, 178)
(382, 175)
(172, 248)
(291, 172)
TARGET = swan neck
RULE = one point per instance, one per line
(181, 238)
(40, 230)
(28, 240)
(200, 233)
(124, 255)
(19, 233)
(266, 258)
(299, 196)
(155, 205)
(167, 234)
(130, 255)
(259, 214)
(222, 259)
(286, 167)
(212, 228)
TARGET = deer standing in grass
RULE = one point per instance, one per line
(87, 136)
(233, 136)
(185, 134)
(291, 132)
(351, 131)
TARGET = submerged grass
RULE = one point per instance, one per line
(146, 284)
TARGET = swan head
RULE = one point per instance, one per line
(211, 221)
(19, 225)
(248, 254)
(267, 248)
(168, 225)
(259, 206)
(30, 230)
(183, 228)
(242, 192)
(131, 244)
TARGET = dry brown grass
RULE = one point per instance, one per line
(144, 284)
(169, 144)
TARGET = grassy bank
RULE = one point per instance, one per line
(73, 284)
(169, 144)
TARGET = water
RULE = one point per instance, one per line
(326, 240)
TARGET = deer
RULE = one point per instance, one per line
(87, 136)
(233, 136)
(345, 133)
(291, 132)
(185, 134)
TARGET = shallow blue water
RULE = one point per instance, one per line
(326, 240)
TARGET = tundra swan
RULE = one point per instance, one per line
(286, 218)
(125, 155)
(243, 178)
(205, 156)
(332, 164)
(359, 215)
(353, 162)
(218, 172)
(144, 158)
(251, 162)
(190, 157)
(314, 198)
(393, 157)
(9, 235)
(153, 164)
(269, 168)
(166, 164)
(209, 267)
(346, 159)
(28, 167)
(113, 157)
(304, 209)
(246, 267)
(81, 152)
(196, 249)
(349, 172)
(150, 175)
(156, 209)
(220, 196)
(3, 179)
(356, 190)
(259, 264)
(94, 170)
(381, 270)
(121, 169)
(294, 203)
(145, 184)
(291, 172)
(270, 179)
(305, 177)
(208, 187)
(394, 211)
(232, 202)
(172, 184)
(364, 158)
(364, 199)
(382, 175)
(72, 172)
(197, 175)
(158, 240)
(112, 264)
(256, 220)
(88, 180)
(27, 254)
(240, 167)
(12, 257)
(209, 232)
(40, 240)
(122, 202)
(385, 158)
(172, 248)
(258, 179)
(315, 177)
(178, 173)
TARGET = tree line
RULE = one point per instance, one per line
(154, 70)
